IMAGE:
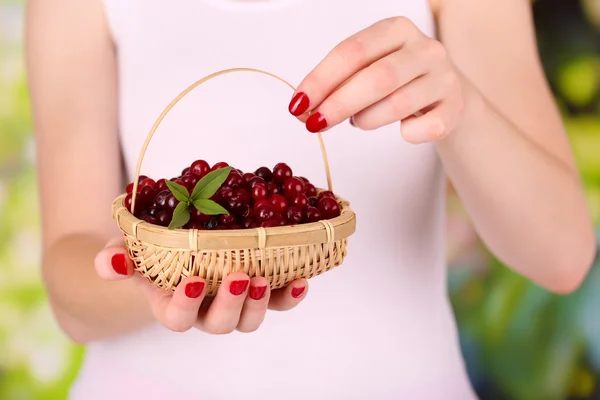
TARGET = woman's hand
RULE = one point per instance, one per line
(240, 304)
(386, 73)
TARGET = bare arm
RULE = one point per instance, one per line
(72, 79)
(72, 76)
(510, 159)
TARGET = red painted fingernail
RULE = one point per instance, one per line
(299, 104)
(297, 291)
(238, 287)
(193, 290)
(316, 122)
(119, 263)
(257, 292)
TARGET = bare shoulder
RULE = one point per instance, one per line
(71, 73)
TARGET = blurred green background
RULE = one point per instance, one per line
(520, 342)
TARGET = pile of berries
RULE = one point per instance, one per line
(232, 199)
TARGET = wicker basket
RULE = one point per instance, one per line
(280, 254)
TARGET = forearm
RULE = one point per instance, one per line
(527, 206)
(87, 307)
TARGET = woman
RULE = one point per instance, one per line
(450, 86)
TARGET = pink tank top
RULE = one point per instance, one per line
(380, 326)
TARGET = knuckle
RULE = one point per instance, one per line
(400, 102)
(434, 49)
(385, 77)
(438, 129)
(351, 50)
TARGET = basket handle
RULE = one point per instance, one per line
(189, 89)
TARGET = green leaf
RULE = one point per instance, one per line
(180, 192)
(181, 215)
(210, 183)
(209, 207)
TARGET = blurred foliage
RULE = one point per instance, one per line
(520, 342)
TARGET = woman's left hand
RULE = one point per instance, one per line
(389, 72)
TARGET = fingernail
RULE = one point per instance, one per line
(238, 287)
(193, 290)
(119, 263)
(316, 123)
(299, 104)
(297, 291)
(257, 292)
(351, 121)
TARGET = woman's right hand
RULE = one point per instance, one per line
(240, 304)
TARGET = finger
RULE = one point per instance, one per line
(178, 310)
(368, 87)
(411, 98)
(113, 262)
(255, 306)
(223, 315)
(290, 296)
(432, 126)
(347, 58)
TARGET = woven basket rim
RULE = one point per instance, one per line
(326, 231)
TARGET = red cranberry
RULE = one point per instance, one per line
(259, 192)
(219, 165)
(243, 195)
(185, 171)
(304, 179)
(222, 195)
(264, 173)
(261, 203)
(326, 193)
(257, 179)
(163, 218)
(147, 195)
(247, 211)
(249, 223)
(294, 215)
(281, 172)
(151, 220)
(161, 198)
(234, 179)
(273, 189)
(265, 212)
(279, 203)
(212, 223)
(141, 178)
(200, 168)
(161, 185)
(152, 211)
(129, 188)
(293, 187)
(189, 181)
(195, 225)
(197, 216)
(311, 214)
(171, 203)
(235, 205)
(147, 182)
(271, 223)
(235, 226)
(329, 207)
(313, 201)
(226, 219)
(247, 178)
(300, 201)
(310, 190)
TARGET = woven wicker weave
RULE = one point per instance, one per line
(280, 254)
